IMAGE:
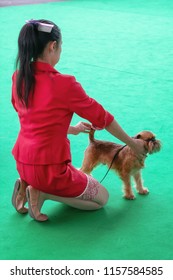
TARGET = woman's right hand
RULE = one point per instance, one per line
(138, 148)
(135, 144)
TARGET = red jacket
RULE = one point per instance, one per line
(43, 134)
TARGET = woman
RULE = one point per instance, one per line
(45, 101)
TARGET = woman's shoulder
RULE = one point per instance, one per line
(65, 78)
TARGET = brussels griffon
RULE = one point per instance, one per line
(121, 158)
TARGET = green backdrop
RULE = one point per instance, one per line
(122, 53)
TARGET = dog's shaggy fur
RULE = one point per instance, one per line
(125, 163)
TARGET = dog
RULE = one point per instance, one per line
(121, 158)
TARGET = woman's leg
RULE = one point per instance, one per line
(19, 196)
(98, 202)
(94, 197)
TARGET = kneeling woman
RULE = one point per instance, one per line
(45, 101)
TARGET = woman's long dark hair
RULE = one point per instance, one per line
(31, 44)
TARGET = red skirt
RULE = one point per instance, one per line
(57, 179)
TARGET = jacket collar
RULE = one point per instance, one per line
(43, 67)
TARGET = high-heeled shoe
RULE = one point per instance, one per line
(19, 196)
(35, 202)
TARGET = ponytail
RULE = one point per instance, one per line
(32, 40)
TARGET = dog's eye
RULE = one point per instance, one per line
(151, 139)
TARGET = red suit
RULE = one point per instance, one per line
(42, 149)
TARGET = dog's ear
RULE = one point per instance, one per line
(138, 136)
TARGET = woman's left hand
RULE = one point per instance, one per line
(80, 127)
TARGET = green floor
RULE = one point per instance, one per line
(122, 53)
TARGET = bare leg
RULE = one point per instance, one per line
(139, 185)
(86, 201)
(35, 201)
(98, 202)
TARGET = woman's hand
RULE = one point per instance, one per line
(135, 144)
(80, 127)
(138, 148)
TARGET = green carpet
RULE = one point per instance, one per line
(122, 53)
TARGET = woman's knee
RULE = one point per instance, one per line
(95, 192)
(102, 196)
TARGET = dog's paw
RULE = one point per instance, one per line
(144, 191)
(129, 196)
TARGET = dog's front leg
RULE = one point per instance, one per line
(128, 193)
(139, 185)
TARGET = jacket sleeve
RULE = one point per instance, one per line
(86, 107)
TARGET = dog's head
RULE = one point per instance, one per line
(151, 144)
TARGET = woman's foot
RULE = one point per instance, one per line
(35, 201)
(19, 196)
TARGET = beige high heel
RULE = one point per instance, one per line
(35, 203)
(19, 196)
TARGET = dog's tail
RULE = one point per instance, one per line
(91, 135)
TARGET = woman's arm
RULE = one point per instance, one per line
(115, 129)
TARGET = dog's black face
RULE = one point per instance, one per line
(152, 145)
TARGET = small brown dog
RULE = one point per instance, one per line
(120, 158)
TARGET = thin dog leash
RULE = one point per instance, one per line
(117, 152)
